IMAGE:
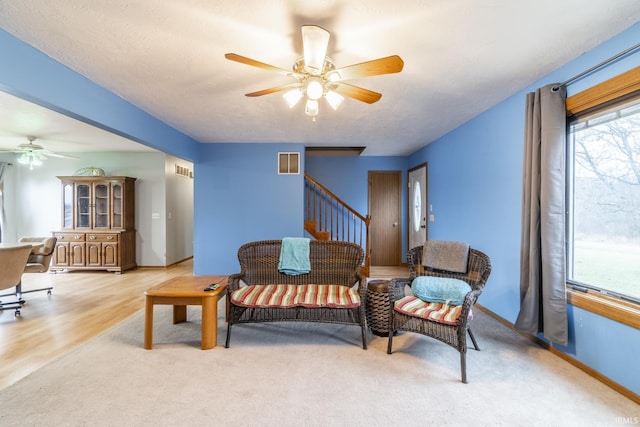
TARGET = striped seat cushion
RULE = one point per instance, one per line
(286, 296)
(434, 311)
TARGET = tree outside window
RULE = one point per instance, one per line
(604, 201)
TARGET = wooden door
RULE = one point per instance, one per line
(384, 208)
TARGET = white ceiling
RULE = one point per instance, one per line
(54, 131)
(461, 58)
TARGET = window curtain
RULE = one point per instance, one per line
(3, 167)
(543, 306)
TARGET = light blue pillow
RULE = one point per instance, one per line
(440, 289)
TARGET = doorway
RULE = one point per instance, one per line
(385, 189)
(417, 206)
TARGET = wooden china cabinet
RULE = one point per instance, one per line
(98, 224)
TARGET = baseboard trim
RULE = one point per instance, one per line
(575, 362)
(159, 267)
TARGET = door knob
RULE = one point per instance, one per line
(395, 224)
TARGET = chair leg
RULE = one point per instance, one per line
(390, 330)
(38, 290)
(19, 290)
(226, 343)
(473, 339)
(363, 326)
(390, 341)
(231, 313)
(463, 366)
(13, 305)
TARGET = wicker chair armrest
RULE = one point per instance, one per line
(397, 288)
(233, 282)
(361, 281)
(469, 300)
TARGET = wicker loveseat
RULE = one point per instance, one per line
(333, 291)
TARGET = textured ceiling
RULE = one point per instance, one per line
(461, 58)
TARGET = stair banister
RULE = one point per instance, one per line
(329, 217)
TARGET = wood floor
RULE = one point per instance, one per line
(81, 306)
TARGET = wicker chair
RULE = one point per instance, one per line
(478, 270)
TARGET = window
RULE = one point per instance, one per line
(603, 194)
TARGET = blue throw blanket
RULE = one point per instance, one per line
(294, 256)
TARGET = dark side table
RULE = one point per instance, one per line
(379, 304)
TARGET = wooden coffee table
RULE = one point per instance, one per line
(181, 292)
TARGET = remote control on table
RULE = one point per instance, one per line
(211, 287)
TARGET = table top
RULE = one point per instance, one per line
(188, 286)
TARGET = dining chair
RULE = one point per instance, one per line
(12, 263)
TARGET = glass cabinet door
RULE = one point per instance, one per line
(67, 206)
(117, 206)
(101, 219)
(83, 208)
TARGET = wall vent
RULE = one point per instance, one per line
(182, 171)
(289, 163)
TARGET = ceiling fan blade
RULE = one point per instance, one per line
(315, 41)
(248, 61)
(376, 67)
(355, 92)
(273, 90)
(62, 156)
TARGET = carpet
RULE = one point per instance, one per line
(295, 374)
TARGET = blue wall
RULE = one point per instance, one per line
(474, 184)
(239, 197)
(475, 175)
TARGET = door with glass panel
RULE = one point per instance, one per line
(417, 206)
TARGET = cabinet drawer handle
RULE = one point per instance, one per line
(92, 237)
(77, 237)
(109, 237)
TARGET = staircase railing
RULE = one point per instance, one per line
(327, 217)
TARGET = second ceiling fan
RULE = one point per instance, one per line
(318, 77)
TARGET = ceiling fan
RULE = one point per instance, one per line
(33, 154)
(317, 75)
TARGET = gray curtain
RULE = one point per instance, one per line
(543, 306)
(3, 167)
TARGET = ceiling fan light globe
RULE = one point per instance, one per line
(334, 99)
(36, 162)
(311, 109)
(315, 41)
(332, 76)
(292, 97)
(314, 90)
(24, 159)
